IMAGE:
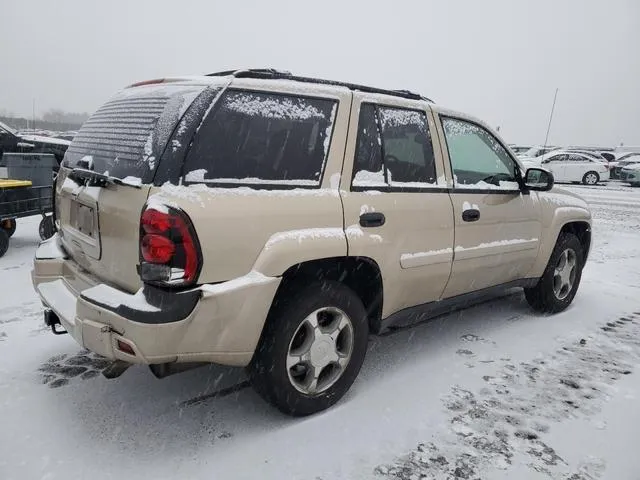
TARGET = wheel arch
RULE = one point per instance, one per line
(361, 274)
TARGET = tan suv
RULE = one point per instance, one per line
(259, 219)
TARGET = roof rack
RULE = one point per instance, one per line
(273, 74)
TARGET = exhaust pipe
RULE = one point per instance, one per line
(162, 370)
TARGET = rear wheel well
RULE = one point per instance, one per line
(582, 230)
(361, 274)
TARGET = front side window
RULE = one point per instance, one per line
(477, 158)
(393, 148)
(262, 138)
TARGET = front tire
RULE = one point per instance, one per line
(559, 283)
(312, 348)
(591, 178)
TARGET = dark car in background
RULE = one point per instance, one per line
(12, 142)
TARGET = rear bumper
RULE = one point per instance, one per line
(213, 323)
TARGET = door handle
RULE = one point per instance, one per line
(372, 219)
(471, 215)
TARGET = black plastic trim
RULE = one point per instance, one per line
(430, 310)
(172, 306)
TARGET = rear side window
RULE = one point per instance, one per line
(393, 148)
(262, 138)
(127, 135)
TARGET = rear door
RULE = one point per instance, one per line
(497, 226)
(397, 210)
(125, 139)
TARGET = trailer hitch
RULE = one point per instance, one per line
(51, 320)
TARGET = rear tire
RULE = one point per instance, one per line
(46, 229)
(291, 348)
(4, 242)
(9, 226)
(548, 296)
(591, 178)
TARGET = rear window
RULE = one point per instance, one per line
(262, 138)
(127, 135)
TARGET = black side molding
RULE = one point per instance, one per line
(427, 311)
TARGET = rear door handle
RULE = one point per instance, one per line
(372, 219)
(471, 215)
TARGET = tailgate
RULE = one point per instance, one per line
(124, 140)
(99, 228)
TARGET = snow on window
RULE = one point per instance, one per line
(286, 108)
(395, 117)
(196, 175)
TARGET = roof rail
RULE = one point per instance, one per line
(273, 74)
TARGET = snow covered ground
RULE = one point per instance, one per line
(493, 392)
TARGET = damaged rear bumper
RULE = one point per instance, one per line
(213, 323)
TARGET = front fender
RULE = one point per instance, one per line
(552, 224)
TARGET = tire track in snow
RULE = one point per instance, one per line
(513, 414)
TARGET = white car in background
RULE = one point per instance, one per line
(572, 167)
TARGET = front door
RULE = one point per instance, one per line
(497, 226)
(396, 208)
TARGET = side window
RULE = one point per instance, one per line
(367, 167)
(578, 158)
(477, 158)
(262, 138)
(406, 142)
(393, 148)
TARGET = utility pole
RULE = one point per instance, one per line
(553, 106)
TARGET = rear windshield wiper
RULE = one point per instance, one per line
(95, 179)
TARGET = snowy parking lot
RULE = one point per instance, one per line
(492, 392)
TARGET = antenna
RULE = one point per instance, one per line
(546, 138)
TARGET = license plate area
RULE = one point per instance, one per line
(82, 218)
(81, 233)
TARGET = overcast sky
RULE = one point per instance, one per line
(499, 60)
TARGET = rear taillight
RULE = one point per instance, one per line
(169, 249)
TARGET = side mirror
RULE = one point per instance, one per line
(539, 179)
